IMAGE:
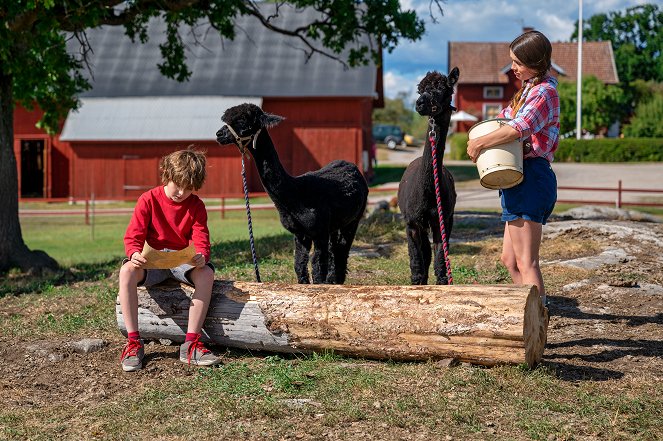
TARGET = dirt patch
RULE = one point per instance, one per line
(607, 323)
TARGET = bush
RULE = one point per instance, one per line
(610, 150)
(647, 119)
(458, 146)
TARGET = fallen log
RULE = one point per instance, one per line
(481, 324)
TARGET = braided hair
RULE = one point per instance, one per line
(534, 50)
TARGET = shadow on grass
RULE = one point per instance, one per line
(14, 283)
(570, 308)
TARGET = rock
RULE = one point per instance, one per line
(611, 256)
(575, 285)
(446, 363)
(607, 213)
(88, 345)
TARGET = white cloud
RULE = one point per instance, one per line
(481, 20)
(395, 83)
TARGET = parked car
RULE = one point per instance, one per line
(390, 135)
(411, 140)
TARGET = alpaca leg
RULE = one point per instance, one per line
(320, 260)
(302, 250)
(342, 251)
(439, 265)
(334, 238)
(420, 254)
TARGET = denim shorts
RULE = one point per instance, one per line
(534, 198)
(180, 273)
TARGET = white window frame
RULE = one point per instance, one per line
(498, 89)
(485, 106)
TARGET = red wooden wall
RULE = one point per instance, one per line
(314, 132)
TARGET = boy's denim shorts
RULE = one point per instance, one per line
(180, 273)
(534, 198)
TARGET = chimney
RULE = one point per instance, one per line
(527, 29)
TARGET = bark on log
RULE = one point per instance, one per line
(482, 324)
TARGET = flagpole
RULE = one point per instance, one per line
(579, 78)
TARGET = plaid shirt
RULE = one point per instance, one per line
(538, 118)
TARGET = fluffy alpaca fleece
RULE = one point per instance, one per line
(322, 208)
(416, 191)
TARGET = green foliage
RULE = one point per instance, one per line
(399, 112)
(458, 145)
(602, 105)
(33, 52)
(395, 112)
(647, 119)
(637, 37)
(610, 150)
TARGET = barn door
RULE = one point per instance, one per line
(32, 168)
(140, 174)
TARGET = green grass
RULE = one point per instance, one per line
(71, 242)
(281, 396)
(255, 397)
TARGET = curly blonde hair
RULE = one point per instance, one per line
(185, 168)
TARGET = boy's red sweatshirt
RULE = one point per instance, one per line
(164, 223)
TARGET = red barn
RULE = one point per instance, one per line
(133, 115)
(487, 83)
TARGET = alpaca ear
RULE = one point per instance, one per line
(453, 76)
(269, 120)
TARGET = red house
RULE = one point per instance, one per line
(487, 83)
(111, 145)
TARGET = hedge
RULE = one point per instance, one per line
(586, 150)
(458, 146)
(610, 150)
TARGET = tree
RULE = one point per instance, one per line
(637, 39)
(602, 104)
(395, 111)
(646, 122)
(398, 111)
(35, 68)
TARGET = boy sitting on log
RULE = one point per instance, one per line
(169, 217)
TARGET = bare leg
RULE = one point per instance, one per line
(203, 279)
(525, 237)
(129, 278)
(509, 257)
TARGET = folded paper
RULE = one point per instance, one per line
(166, 259)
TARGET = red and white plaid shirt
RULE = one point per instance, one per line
(538, 118)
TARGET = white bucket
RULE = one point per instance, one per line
(500, 166)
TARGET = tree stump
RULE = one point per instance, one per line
(481, 324)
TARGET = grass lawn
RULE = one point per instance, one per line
(259, 396)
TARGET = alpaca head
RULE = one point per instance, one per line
(246, 120)
(435, 91)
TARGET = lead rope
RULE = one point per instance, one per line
(248, 217)
(242, 142)
(438, 197)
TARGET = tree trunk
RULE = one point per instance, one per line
(482, 324)
(13, 251)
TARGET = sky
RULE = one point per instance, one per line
(481, 20)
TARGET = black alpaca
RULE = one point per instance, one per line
(416, 191)
(321, 208)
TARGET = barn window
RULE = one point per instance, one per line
(493, 92)
(491, 110)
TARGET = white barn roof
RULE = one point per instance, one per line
(174, 118)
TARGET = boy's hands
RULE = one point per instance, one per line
(198, 260)
(137, 260)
